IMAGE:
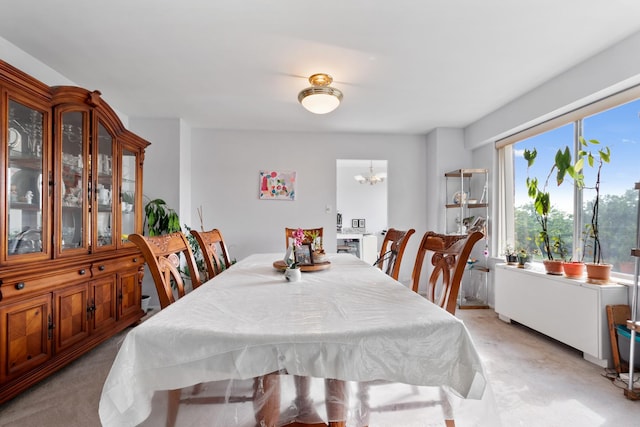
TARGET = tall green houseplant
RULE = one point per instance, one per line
(562, 166)
(592, 235)
(160, 218)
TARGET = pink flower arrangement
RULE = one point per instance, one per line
(298, 237)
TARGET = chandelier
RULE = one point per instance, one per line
(320, 98)
(370, 178)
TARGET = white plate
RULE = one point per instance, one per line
(15, 139)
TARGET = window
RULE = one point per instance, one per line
(561, 215)
(617, 127)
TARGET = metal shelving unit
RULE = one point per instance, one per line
(467, 209)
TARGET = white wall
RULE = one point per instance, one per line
(163, 159)
(612, 70)
(30, 65)
(225, 167)
(446, 153)
(35, 68)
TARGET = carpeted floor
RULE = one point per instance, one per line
(537, 382)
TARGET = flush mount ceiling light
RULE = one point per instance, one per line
(370, 178)
(320, 98)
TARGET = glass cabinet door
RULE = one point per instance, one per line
(27, 182)
(128, 194)
(103, 210)
(72, 188)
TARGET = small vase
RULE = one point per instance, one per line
(144, 302)
(292, 274)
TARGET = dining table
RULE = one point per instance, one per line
(349, 323)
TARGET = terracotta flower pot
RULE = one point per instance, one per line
(553, 266)
(573, 269)
(598, 273)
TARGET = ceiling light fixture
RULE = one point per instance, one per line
(320, 98)
(371, 178)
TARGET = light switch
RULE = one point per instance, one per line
(327, 209)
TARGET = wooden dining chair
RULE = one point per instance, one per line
(161, 254)
(449, 254)
(214, 251)
(308, 232)
(392, 251)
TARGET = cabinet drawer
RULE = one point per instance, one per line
(32, 284)
(117, 265)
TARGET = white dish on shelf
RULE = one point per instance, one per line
(15, 139)
(459, 197)
(472, 201)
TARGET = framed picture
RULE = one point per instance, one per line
(277, 185)
(354, 223)
(303, 254)
(361, 223)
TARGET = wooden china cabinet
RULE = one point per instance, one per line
(71, 193)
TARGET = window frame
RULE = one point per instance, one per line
(506, 168)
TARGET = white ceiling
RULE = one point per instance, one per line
(404, 66)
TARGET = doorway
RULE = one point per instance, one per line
(361, 207)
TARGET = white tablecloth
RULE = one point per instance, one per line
(349, 322)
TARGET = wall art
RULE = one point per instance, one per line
(277, 185)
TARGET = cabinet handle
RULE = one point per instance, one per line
(81, 272)
(101, 268)
(20, 286)
(135, 260)
(51, 326)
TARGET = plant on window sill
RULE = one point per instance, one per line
(591, 234)
(562, 165)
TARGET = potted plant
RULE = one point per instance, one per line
(197, 256)
(510, 255)
(597, 270)
(160, 218)
(562, 165)
(524, 257)
(574, 269)
(293, 273)
(319, 255)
